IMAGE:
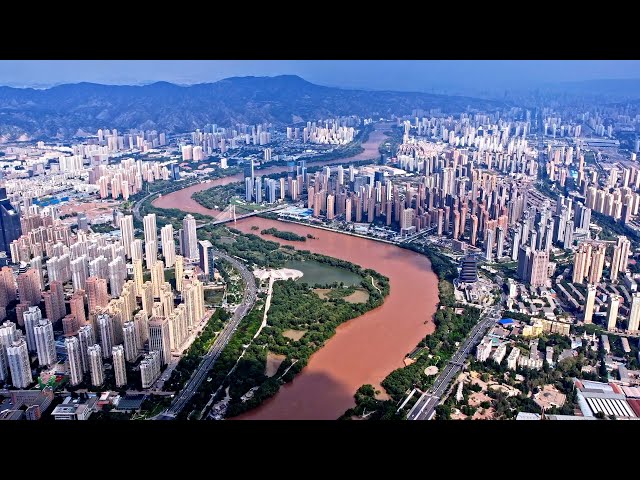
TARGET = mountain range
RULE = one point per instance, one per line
(65, 111)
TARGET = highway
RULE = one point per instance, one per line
(200, 374)
(425, 407)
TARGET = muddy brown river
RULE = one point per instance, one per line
(363, 350)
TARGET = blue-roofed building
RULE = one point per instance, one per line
(506, 321)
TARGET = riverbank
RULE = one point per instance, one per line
(366, 349)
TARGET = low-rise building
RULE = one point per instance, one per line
(75, 408)
(483, 350)
(513, 358)
(500, 352)
(528, 362)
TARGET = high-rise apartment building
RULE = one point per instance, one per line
(74, 360)
(54, 305)
(159, 338)
(105, 328)
(119, 367)
(76, 303)
(539, 268)
(150, 368)
(117, 276)
(207, 259)
(179, 272)
(634, 315)
(86, 338)
(126, 230)
(151, 236)
(130, 341)
(157, 277)
(590, 304)
(97, 293)
(45, 342)
(612, 311)
(96, 367)
(7, 336)
(620, 257)
(28, 287)
(168, 245)
(19, 366)
(190, 238)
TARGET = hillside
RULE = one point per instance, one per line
(64, 110)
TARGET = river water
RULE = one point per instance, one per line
(363, 350)
(367, 348)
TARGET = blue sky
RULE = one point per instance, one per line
(416, 75)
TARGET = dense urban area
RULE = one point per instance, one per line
(238, 270)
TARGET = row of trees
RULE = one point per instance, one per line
(218, 196)
(284, 235)
(190, 361)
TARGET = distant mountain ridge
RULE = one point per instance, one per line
(63, 110)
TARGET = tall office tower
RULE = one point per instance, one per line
(7, 337)
(159, 338)
(28, 287)
(119, 367)
(130, 336)
(612, 311)
(620, 258)
(74, 360)
(190, 240)
(248, 190)
(168, 245)
(258, 190)
(597, 263)
(179, 272)
(137, 250)
(77, 307)
(86, 338)
(157, 278)
(79, 272)
(105, 329)
(95, 365)
(31, 318)
(150, 368)
(488, 255)
(45, 342)
(19, 366)
(151, 233)
(634, 315)
(150, 253)
(590, 303)
(97, 293)
(207, 259)
(10, 227)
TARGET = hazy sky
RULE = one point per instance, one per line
(417, 75)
